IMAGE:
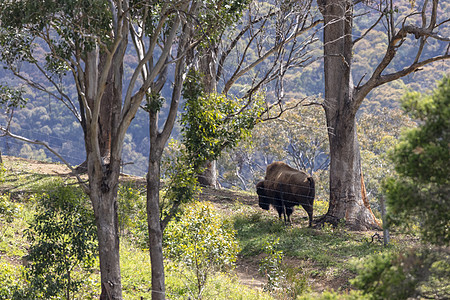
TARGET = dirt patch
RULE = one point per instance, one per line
(52, 169)
(248, 274)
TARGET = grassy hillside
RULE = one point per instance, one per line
(274, 261)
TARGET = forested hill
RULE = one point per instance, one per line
(45, 118)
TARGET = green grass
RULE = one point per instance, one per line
(312, 258)
(327, 247)
(325, 254)
(20, 187)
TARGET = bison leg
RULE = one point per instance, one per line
(310, 216)
(284, 214)
(280, 209)
(289, 211)
(309, 211)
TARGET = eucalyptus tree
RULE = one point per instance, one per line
(198, 22)
(421, 26)
(88, 41)
(270, 42)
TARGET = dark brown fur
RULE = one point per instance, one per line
(284, 187)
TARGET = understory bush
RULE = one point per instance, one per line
(63, 243)
(412, 273)
(8, 211)
(201, 241)
(12, 280)
(283, 280)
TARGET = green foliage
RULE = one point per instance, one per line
(271, 265)
(8, 209)
(401, 275)
(2, 173)
(421, 193)
(11, 98)
(132, 214)
(62, 239)
(201, 241)
(136, 275)
(214, 17)
(154, 102)
(223, 286)
(66, 17)
(334, 295)
(13, 281)
(213, 123)
(181, 185)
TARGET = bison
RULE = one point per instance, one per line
(285, 187)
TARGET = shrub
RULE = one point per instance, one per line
(283, 281)
(421, 192)
(406, 274)
(8, 209)
(271, 265)
(62, 239)
(12, 280)
(201, 241)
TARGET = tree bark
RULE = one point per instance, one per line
(155, 232)
(209, 175)
(104, 201)
(346, 201)
(207, 66)
(106, 113)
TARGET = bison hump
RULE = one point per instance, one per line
(280, 173)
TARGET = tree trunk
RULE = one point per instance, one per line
(104, 200)
(207, 66)
(105, 117)
(209, 175)
(154, 230)
(346, 201)
(104, 173)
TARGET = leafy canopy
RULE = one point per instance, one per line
(213, 122)
(422, 191)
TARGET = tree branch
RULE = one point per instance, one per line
(6, 132)
(377, 79)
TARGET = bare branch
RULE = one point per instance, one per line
(6, 132)
(267, 54)
(282, 109)
(368, 30)
(237, 39)
(378, 79)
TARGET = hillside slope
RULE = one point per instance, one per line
(313, 259)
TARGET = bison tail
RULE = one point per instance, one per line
(312, 189)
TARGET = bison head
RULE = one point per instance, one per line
(264, 201)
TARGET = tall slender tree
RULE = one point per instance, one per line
(88, 40)
(343, 98)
